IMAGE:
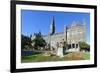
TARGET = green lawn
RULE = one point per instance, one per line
(42, 58)
(86, 56)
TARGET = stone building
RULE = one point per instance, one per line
(72, 35)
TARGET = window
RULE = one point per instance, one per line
(73, 45)
(76, 45)
(69, 46)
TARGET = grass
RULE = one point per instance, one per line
(40, 57)
(86, 56)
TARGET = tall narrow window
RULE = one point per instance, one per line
(69, 46)
(73, 45)
(76, 45)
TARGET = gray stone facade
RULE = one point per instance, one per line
(72, 35)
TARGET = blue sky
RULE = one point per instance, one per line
(33, 21)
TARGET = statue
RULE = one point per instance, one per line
(60, 50)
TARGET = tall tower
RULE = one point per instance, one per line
(84, 30)
(65, 33)
(52, 31)
(52, 26)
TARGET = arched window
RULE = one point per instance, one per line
(73, 45)
(76, 45)
(69, 46)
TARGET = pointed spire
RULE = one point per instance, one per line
(52, 26)
(52, 21)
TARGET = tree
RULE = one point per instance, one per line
(25, 42)
(38, 41)
(84, 46)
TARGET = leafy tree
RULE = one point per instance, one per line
(38, 41)
(84, 46)
(25, 42)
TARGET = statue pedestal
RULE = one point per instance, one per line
(60, 52)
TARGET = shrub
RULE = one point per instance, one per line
(84, 46)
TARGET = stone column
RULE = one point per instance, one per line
(78, 47)
(75, 45)
(65, 33)
(71, 46)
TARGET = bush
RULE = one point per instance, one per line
(84, 46)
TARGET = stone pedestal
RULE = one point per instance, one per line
(60, 52)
